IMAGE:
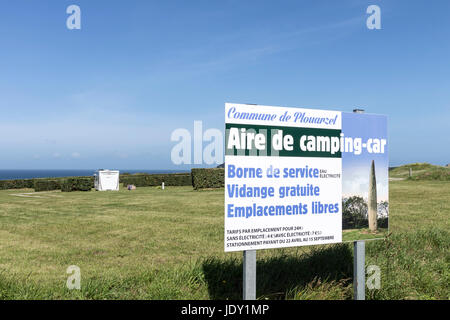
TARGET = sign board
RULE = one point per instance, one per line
(296, 177)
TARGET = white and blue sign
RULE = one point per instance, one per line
(289, 172)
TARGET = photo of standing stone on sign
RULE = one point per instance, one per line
(297, 177)
(365, 188)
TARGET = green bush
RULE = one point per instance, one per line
(16, 184)
(43, 184)
(76, 184)
(208, 178)
(46, 185)
(6, 184)
(149, 180)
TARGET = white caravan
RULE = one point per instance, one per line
(106, 180)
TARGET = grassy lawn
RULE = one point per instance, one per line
(168, 244)
(365, 233)
(420, 171)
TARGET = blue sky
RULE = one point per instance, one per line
(110, 94)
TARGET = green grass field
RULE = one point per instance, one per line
(168, 244)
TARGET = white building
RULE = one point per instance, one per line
(106, 180)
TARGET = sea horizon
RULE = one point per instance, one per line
(14, 174)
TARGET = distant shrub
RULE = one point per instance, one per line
(46, 185)
(6, 184)
(16, 184)
(39, 184)
(76, 184)
(149, 180)
(208, 178)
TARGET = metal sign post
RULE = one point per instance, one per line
(359, 273)
(359, 257)
(249, 275)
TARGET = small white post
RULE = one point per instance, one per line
(162, 186)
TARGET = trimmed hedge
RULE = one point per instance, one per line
(38, 184)
(46, 185)
(149, 180)
(76, 184)
(208, 178)
(16, 184)
(139, 180)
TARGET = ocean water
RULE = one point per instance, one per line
(30, 174)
